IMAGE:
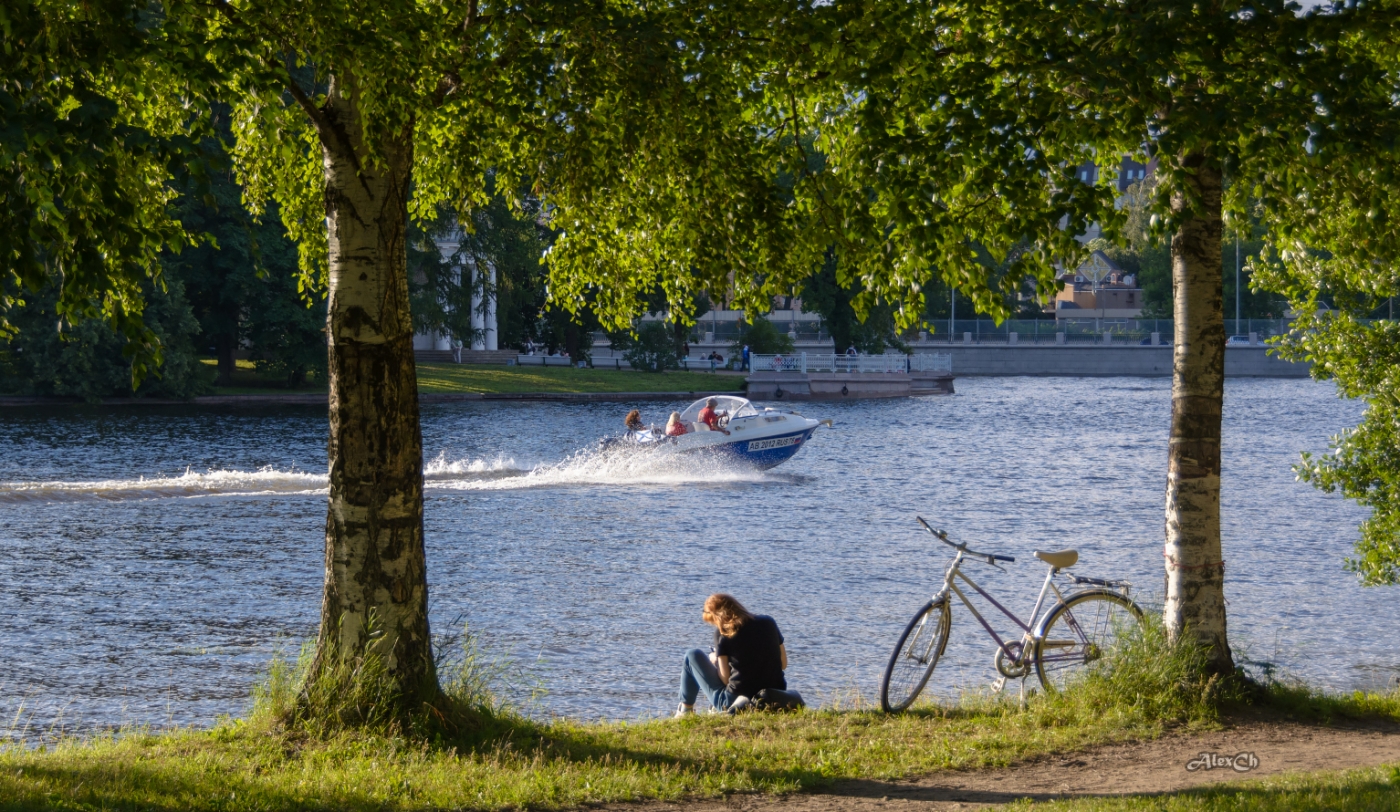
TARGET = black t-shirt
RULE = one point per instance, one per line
(755, 661)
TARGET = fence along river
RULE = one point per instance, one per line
(156, 558)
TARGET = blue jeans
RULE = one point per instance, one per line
(700, 674)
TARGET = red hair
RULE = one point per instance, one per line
(725, 613)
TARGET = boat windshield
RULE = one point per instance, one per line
(736, 407)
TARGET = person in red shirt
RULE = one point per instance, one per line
(674, 426)
(710, 417)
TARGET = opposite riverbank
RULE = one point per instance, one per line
(459, 382)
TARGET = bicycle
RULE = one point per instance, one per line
(1068, 639)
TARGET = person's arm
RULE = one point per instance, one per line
(782, 650)
(723, 664)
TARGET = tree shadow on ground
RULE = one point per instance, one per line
(1372, 793)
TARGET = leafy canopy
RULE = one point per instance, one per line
(1334, 242)
(638, 126)
(95, 121)
(953, 127)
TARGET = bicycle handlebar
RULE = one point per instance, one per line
(942, 535)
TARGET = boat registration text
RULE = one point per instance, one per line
(776, 442)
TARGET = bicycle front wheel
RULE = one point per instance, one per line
(1081, 632)
(915, 656)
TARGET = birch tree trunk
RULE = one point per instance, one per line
(376, 592)
(1195, 600)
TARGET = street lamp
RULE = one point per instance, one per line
(1237, 282)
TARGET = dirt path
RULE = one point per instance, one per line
(1123, 769)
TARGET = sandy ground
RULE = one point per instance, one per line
(1124, 769)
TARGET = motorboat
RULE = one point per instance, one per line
(762, 438)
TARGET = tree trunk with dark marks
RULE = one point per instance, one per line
(225, 345)
(376, 591)
(1195, 600)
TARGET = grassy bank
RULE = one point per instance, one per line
(248, 766)
(453, 378)
(492, 379)
(505, 761)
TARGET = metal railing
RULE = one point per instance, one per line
(931, 362)
(1080, 331)
(804, 362)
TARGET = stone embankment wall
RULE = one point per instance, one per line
(1103, 361)
(838, 385)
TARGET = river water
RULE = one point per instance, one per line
(154, 559)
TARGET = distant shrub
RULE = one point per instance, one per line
(88, 359)
(763, 338)
(653, 349)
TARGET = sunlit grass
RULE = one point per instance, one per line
(454, 378)
(247, 381)
(499, 379)
(502, 759)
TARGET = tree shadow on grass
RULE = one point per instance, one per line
(256, 770)
(245, 767)
(1330, 795)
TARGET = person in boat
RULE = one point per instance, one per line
(634, 421)
(674, 426)
(710, 417)
(748, 657)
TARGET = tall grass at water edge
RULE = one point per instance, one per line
(497, 757)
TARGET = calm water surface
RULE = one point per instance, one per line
(155, 559)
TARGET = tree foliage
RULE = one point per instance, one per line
(88, 359)
(653, 349)
(1332, 251)
(242, 285)
(762, 337)
(498, 237)
(85, 160)
(824, 294)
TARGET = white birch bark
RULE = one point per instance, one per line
(374, 556)
(1195, 599)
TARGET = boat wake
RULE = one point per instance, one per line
(593, 467)
(264, 481)
(621, 467)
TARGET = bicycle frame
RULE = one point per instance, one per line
(954, 571)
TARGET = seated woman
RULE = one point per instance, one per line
(634, 421)
(748, 657)
(674, 426)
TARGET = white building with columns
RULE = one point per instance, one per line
(483, 304)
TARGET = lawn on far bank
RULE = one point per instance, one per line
(436, 378)
(453, 378)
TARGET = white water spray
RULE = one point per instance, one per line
(589, 467)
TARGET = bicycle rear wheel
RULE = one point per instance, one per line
(915, 656)
(1081, 632)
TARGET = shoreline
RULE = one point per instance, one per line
(320, 399)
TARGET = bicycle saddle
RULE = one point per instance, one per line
(1059, 560)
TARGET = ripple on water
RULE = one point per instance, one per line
(156, 559)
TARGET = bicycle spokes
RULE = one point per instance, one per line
(1080, 634)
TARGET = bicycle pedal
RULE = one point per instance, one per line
(999, 685)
